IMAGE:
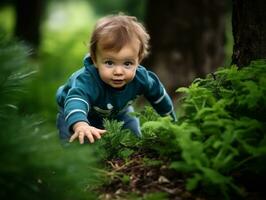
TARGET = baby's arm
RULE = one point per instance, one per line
(158, 97)
(83, 129)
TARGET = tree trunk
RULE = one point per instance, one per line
(187, 39)
(28, 19)
(249, 31)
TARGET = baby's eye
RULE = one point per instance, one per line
(128, 64)
(109, 63)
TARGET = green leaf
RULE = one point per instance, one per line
(193, 182)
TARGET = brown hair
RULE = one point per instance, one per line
(117, 31)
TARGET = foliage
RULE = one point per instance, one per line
(116, 141)
(222, 128)
(11, 78)
(33, 165)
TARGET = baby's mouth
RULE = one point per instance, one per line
(117, 81)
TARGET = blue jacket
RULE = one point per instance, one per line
(85, 95)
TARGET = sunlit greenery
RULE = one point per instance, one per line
(7, 18)
(65, 34)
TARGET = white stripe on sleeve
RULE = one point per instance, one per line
(79, 99)
(161, 98)
(74, 111)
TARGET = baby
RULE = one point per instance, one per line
(111, 79)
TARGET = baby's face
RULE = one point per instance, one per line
(118, 68)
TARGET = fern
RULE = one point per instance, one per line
(221, 127)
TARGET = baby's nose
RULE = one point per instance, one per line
(118, 70)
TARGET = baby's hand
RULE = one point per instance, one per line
(83, 129)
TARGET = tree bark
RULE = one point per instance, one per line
(28, 19)
(249, 31)
(187, 39)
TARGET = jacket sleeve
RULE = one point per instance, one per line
(76, 107)
(77, 98)
(157, 96)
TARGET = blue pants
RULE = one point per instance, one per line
(130, 122)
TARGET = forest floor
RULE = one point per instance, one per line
(135, 176)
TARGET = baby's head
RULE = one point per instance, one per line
(113, 32)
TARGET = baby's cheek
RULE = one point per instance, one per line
(133, 75)
(104, 75)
